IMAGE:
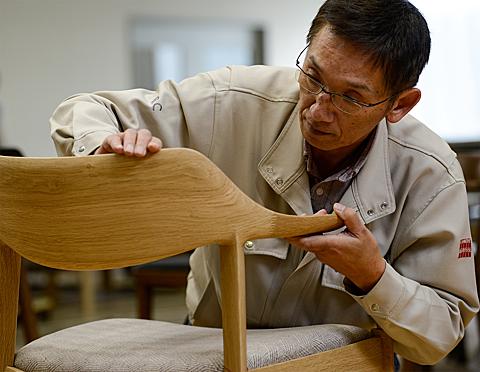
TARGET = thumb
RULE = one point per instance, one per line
(350, 218)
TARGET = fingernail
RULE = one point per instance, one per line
(129, 149)
(338, 207)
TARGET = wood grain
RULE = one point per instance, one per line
(110, 211)
(362, 356)
(9, 285)
(234, 322)
(11, 369)
(123, 202)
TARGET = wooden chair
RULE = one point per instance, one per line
(105, 212)
(27, 312)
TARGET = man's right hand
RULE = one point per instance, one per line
(130, 143)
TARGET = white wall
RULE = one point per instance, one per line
(450, 83)
(50, 49)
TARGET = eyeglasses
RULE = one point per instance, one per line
(345, 104)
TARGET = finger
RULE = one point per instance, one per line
(115, 143)
(309, 242)
(143, 138)
(129, 140)
(155, 145)
(351, 219)
(312, 243)
(321, 212)
(112, 143)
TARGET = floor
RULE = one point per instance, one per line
(116, 302)
(169, 304)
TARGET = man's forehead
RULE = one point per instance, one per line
(357, 84)
(328, 51)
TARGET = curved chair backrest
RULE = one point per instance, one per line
(110, 211)
(75, 213)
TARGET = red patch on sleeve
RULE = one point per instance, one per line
(465, 249)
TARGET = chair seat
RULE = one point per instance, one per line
(146, 345)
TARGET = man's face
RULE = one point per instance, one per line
(343, 69)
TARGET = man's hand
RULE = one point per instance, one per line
(354, 252)
(130, 143)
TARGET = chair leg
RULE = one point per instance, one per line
(29, 318)
(144, 300)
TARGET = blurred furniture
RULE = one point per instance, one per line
(181, 201)
(470, 162)
(27, 312)
(469, 159)
(169, 272)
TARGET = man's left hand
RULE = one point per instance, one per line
(353, 252)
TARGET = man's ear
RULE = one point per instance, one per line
(403, 104)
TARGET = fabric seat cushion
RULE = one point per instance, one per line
(146, 345)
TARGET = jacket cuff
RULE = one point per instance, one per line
(383, 298)
(87, 144)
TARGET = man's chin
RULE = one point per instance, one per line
(321, 140)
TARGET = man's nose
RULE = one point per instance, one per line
(322, 109)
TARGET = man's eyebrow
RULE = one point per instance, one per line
(353, 84)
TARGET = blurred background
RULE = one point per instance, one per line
(52, 49)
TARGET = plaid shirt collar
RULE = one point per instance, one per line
(325, 192)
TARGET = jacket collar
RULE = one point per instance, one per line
(371, 193)
(283, 167)
(372, 189)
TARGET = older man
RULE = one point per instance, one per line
(333, 134)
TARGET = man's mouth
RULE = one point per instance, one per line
(318, 129)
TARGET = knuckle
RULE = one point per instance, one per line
(310, 244)
(144, 132)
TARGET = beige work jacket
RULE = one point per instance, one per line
(410, 193)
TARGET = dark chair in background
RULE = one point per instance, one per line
(470, 162)
(170, 272)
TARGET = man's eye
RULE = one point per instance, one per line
(312, 80)
(352, 95)
(314, 76)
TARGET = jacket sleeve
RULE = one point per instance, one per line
(82, 122)
(427, 294)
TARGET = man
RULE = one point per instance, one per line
(332, 135)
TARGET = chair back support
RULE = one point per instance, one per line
(110, 211)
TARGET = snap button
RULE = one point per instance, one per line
(319, 191)
(269, 170)
(375, 307)
(370, 212)
(279, 181)
(81, 149)
(384, 205)
(248, 245)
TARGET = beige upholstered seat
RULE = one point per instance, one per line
(81, 214)
(100, 346)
